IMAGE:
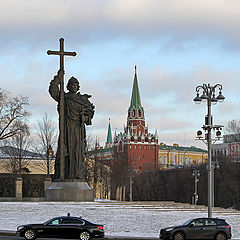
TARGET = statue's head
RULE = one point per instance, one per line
(73, 85)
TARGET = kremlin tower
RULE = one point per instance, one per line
(109, 142)
(135, 144)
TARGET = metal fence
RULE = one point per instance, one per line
(32, 185)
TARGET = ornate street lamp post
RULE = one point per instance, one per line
(195, 174)
(208, 95)
(215, 165)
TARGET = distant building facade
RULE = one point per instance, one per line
(230, 147)
(178, 156)
(12, 160)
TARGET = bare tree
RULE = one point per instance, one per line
(97, 173)
(92, 165)
(13, 114)
(17, 150)
(46, 140)
(233, 128)
(88, 160)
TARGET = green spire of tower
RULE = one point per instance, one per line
(135, 99)
(109, 134)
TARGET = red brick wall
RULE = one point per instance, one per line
(142, 156)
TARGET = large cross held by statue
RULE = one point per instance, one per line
(61, 53)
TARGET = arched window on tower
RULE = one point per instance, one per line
(139, 112)
(133, 113)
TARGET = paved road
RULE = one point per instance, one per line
(105, 238)
(10, 235)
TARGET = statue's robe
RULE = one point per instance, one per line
(78, 111)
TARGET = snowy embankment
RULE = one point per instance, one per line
(140, 219)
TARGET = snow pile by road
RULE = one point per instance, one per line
(140, 219)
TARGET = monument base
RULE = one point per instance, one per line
(72, 191)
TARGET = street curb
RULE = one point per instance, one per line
(7, 233)
(129, 238)
(13, 233)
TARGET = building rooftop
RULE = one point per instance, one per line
(180, 148)
(7, 152)
(135, 99)
(109, 134)
(101, 150)
(161, 147)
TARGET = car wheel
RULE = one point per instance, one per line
(85, 235)
(179, 236)
(221, 236)
(30, 234)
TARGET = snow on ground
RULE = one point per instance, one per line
(140, 219)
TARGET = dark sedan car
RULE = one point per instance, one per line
(62, 227)
(199, 228)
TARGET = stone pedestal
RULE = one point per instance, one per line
(18, 189)
(47, 183)
(71, 191)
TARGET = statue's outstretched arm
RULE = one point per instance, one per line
(54, 86)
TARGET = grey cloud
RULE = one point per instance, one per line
(183, 139)
(180, 88)
(84, 21)
(166, 124)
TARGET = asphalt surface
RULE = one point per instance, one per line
(11, 235)
(107, 238)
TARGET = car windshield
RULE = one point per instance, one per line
(186, 223)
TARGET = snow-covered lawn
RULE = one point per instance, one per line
(141, 219)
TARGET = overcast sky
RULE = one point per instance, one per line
(176, 46)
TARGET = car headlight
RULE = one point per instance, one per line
(169, 229)
(20, 227)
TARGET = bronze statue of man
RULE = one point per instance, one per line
(78, 111)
